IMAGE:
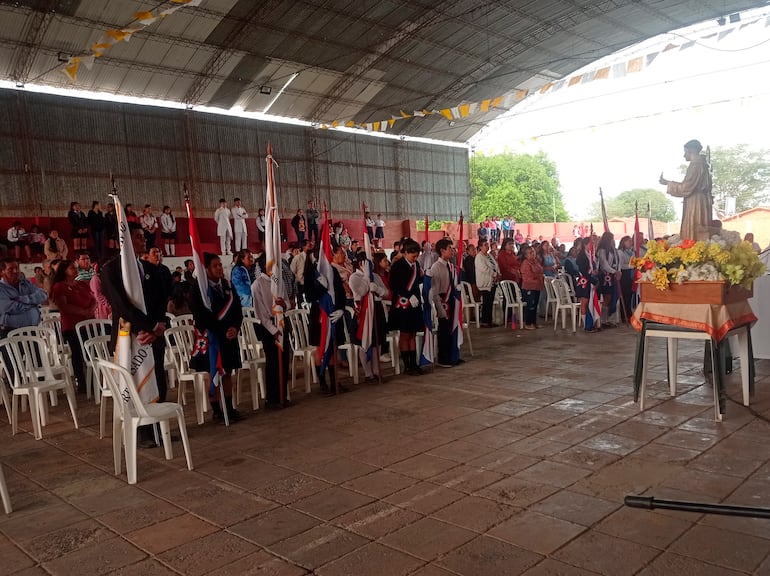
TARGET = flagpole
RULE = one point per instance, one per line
(376, 351)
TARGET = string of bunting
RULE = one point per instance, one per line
(607, 72)
(142, 19)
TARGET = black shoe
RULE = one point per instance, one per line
(459, 361)
(326, 391)
(234, 416)
(147, 443)
(443, 365)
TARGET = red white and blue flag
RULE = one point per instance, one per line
(206, 341)
(428, 350)
(273, 260)
(327, 302)
(454, 284)
(594, 311)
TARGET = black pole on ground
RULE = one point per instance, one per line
(651, 503)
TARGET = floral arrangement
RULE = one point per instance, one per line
(722, 258)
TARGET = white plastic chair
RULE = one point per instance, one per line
(469, 303)
(509, 289)
(85, 330)
(550, 302)
(301, 347)
(33, 378)
(131, 413)
(4, 493)
(182, 320)
(564, 305)
(253, 360)
(181, 341)
(5, 383)
(98, 348)
(55, 358)
(249, 312)
(350, 347)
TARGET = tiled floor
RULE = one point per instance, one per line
(516, 462)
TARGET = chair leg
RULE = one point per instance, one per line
(34, 413)
(69, 392)
(467, 335)
(165, 435)
(261, 378)
(255, 377)
(102, 417)
(117, 439)
(185, 440)
(4, 492)
(673, 353)
(14, 415)
(308, 370)
(223, 404)
(200, 400)
(130, 440)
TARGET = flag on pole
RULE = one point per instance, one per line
(135, 357)
(273, 260)
(650, 228)
(428, 352)
(457, 317)
(594, 311)
(604, 212)
(327, 304)
(366, 310)
(206, 342)
(637, 252)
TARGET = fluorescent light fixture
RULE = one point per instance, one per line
(735, 18)
(289, 81)
(267, 90)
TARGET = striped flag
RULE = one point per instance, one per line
(207, 341)
(428, 352)
(594, 311)
(605, 220)
(457, 319)
(650, 231)
(135, 357)
(366, 311)
(273, 260)
(327, 303)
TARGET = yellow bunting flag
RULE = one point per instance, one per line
(392, 121)
(464, 110)
(485, 105)
(670, 47)
(145, 17)
(376, 126)
(521, 94)
(404, 114)
(99, 48)
(635, 65)
(575, 80)
(116, 35)
(447, 113)
(350, 124)
(546, 88)
(602, 73)
(496, 102)
(71, 69)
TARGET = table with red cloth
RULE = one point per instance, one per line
(717, 321)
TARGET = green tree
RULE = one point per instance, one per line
(525, 186)
(740, 173)
(623, 205)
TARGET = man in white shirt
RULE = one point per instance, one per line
(443, 291)
(224, 230)
(299, 264)
(239, 225)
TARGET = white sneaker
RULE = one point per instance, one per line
(385, 358)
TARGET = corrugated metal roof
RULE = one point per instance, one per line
(358, 59)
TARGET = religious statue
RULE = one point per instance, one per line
(695, 189)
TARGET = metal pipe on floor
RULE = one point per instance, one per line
(651, 503)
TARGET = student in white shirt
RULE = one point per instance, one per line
(224, 229)
(168, 231)
(239, 225)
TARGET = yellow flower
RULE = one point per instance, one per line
(660, 278)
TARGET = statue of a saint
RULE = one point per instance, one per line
(695, 189)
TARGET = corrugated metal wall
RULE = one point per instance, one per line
(54, 150)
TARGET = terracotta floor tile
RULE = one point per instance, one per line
(140, 516)
(431, 570)
(688, 439)
(96, 559)
(225, 505)
(332, 502)
(638, 430)
(422, 466)
(259, 563)
(613, 443)
(722, 547)
(576, 508)
(206, 554)
(645, 526)
(379, 483)
(731, 464)
(564, 434)
(583, 457)
(147, 567)
(554, 473)
(372, 560)
(708, 484)
(14, 559)
(475, 513)
(460, 451)
(517, 492)
(669, 563)
(484, 556)
(292, 488)
(318, 546)
(340, 470)
(493, 437)
(663, 453)
(428, 538)
(170, 533)
(536, 532)
(37, 523)
(424, 497)
(273, 526)
(550, 567)
(377, 519)
(467, 479)
(504, 461)
(244, 472)
(605, 554)
(65, 540)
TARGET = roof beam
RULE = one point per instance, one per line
(37, 25)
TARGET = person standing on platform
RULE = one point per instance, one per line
(261, 224)
(79, 227)
(239, 225)
(149, 225)
(224, 229)
(168, 231)
(696, 191)
(312, 215)
(379, 232)
(370, 226)
(97, 224)
(300, 226)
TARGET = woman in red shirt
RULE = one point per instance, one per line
(508, 261)
(75, 302)
(532, 282)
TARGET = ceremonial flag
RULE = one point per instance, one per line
(135, 357)
(594, 311)
(366, 310)
(457, 317)
(428, 351)
(637, 252)
(273, 259)
(206, 341)
(604, 212)
(650, 231)
(327, 304)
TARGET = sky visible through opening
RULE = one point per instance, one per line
(620, 133)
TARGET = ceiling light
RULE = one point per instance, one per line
(267, 90)
(735, 18)
(63, 57)
(19, 84)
